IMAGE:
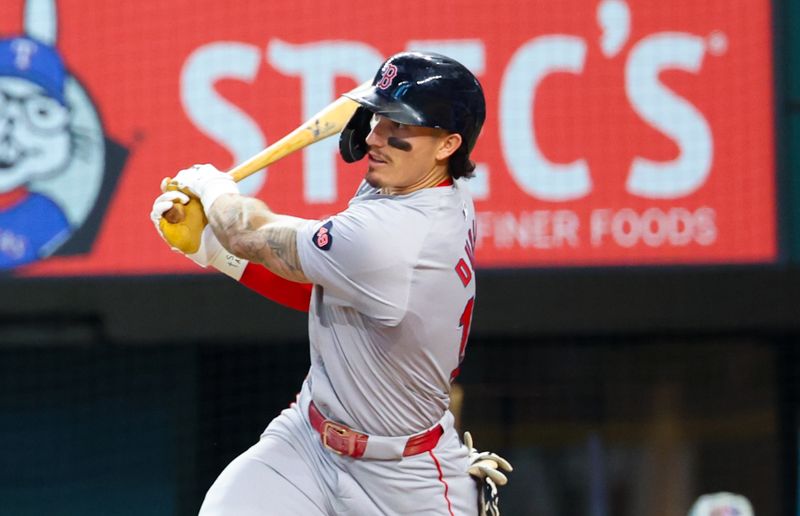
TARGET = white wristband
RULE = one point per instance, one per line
(229, 264)
(214, 188)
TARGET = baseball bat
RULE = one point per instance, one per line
(327, 122)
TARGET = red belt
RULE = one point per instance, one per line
(345, 441)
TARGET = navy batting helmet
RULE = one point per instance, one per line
(418, 88)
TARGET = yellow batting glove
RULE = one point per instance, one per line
(185, 233)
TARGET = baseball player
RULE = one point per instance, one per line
(389, 285)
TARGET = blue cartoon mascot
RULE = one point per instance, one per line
(35, 144)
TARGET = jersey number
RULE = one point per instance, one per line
(464, 322)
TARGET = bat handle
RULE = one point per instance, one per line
(175, 214)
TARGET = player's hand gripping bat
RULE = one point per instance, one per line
(182, 225)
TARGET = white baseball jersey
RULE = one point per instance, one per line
(391, 307)
(388, 321)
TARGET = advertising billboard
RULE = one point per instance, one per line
(619, 132)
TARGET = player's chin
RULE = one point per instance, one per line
(373, 178)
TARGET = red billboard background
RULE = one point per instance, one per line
(618, 132)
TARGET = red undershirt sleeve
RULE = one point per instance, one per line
(287, 293)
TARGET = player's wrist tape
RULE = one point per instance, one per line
(214, 189)
(229, 264)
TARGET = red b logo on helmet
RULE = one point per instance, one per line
(389, 73)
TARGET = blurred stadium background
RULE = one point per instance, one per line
(636, 340)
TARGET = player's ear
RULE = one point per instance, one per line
(449, 144)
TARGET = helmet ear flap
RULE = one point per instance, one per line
(353, 140)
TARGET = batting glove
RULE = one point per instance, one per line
(206, 182)
(161, 205)
(485, 468)
(210, 253)
(210, 247)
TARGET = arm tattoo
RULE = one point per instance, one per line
(249, 230)
(283, 244)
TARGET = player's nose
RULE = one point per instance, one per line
(377, 136)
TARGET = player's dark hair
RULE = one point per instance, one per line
(460, 165)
